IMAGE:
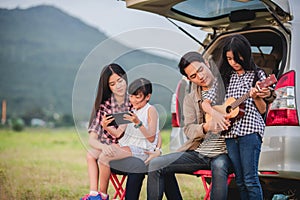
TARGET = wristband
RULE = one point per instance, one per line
(138, 125)
(159, 149)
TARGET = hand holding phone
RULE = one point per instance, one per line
(119, 118)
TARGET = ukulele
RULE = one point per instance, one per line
(236, 107)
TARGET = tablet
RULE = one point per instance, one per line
(119, 119)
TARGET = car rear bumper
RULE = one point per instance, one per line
(280, 153)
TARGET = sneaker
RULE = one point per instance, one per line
(85, 197)
(90, 197)
(107, 198)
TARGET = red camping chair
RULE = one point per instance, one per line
(205, 177)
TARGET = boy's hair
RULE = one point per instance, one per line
(187, 59)
(140, 85)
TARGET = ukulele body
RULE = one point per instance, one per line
(226, 108)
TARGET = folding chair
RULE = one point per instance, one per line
(207, 181)
(119, 185)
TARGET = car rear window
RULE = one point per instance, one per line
(215, 8)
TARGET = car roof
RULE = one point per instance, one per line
(217, 14)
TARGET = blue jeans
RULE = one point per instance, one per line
(161, 175)
(244, 153)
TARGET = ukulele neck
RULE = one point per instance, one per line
(240, 100)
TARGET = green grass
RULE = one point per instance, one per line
(50, 164)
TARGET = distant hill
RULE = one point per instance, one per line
(41, 50)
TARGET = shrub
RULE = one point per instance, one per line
(17, 124)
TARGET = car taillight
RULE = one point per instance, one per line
(174, 120)
(283, 110)
(268, 172)
(182, 89)
(175, 109)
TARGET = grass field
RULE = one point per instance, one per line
(50, 164)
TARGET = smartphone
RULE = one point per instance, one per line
(119, 118)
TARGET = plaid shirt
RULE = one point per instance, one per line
(110, 106)
(252, 121)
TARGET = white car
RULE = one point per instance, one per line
(273, 29)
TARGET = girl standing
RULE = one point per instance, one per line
(244, 137)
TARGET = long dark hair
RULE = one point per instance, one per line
(103, 91)
(240, 47)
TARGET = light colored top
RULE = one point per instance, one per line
(134, 137)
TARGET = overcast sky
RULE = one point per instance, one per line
(113, 18)
(110, 16)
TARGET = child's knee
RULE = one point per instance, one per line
(103, 159)
(90, 156)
